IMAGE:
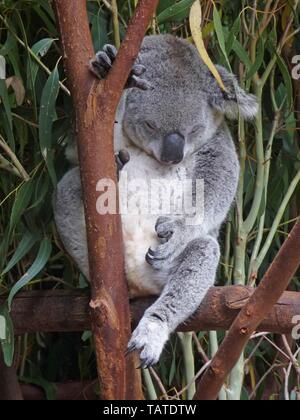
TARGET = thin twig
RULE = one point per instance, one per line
(14, 159)
(115, 14)
(290, 353)
(159, 383)
(8, 166)
(200, 348)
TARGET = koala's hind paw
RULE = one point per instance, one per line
(103, 61)
(149, 338)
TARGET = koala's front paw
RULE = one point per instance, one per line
(170, 232)
(122, 158)
(103, 61)
(149, 338)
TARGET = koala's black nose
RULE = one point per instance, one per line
(173, 148)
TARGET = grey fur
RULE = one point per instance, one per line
(185, 99)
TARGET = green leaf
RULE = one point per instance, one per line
(220, 35)
(46, 119)
(40, 49)
(262, 207)
(163, 5)
(7, 115)
(242, 54)
(176, 12)
(172, 369)
(37, 266)
(4, 245)
(8, 342)
(232, 35)
(287, 80)
(87, 335)
(99, 32)
(21, 202)
(27, 242)
(5, 101)
(259, 59)
(46, 15)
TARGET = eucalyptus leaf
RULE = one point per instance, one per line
(46, 118)
(37, 266)
(21, 202)
(287, 80)
(220, 35)
(176, 12)
(26, 244)
(40, 49)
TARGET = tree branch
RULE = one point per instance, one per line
(258, 307)
(10, 389)
(68, 310)
(95, 106)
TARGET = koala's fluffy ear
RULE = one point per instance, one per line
(235, 101)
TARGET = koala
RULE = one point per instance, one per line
(173, 125)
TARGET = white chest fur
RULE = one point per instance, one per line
(141, 208)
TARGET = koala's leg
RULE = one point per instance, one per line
(69, 218)
(192, 274)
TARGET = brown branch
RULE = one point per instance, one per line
(66, 311)
(258, 307)
(9, 386)
(69, 391)
(95, 105)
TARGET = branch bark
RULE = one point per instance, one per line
(10, 389)
(70, 391)
(95, 106)
(66, 311)
(258, 307)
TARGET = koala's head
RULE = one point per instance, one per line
(186, 105)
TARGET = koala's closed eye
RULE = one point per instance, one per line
(196, 129)
(150, 125)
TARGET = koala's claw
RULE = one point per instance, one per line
(130, 349)
(111, 51)
(169, 231)
(159, 257)
(149, 338)
(101, 64)
(150, 254)
(137, 82)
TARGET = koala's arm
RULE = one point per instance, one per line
(191, 276)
